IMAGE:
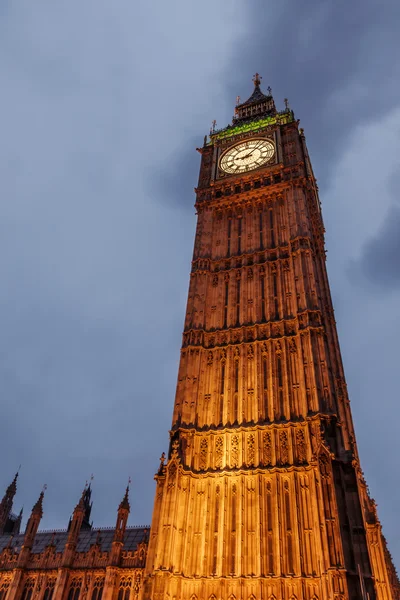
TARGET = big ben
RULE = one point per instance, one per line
(262, 496)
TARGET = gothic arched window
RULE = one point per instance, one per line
(49, 590)
(124, 588)
(98, 587)
(4, 585)
(74, 589)
(28, 589)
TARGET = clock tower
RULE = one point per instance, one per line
(262, 496)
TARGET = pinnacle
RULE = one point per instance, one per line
(12, 488)
(125, 500)
(38, 506)
(81, 503)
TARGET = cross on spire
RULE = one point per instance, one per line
(257, 79)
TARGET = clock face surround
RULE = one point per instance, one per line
(247, 155)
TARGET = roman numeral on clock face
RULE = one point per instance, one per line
(246, 156)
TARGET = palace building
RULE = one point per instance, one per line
(261, 496)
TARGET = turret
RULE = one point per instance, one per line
(120, 526)
(6, 508)
(86, 504)
(78, 516)
(31, 529)
(79, 520)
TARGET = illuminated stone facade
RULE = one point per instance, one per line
(262, 496)
(78, 563)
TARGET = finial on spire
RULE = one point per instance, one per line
(237, 100)
(38, 506)
(286, 101)
(269, 90)
(213, 125)
(257, 79)
(125, 500)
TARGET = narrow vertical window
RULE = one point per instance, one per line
(288, 529)
(236, 376)
(271, 228)
(233, 531)
(263, 315)
(260, 223)
(240, 236)
(236, 391)
(216, 520)
(222, 378)
(265, 384)
(229, 236)
(270, 549)
(238, 302)
(275, 288)
(226, 304)
(280, 387)
(221, 397)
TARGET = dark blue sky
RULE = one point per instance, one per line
(101, 109)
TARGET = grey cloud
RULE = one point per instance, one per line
(338, 65)
(335, 61)
(102, 107)
(380, 260)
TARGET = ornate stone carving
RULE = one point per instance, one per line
(251, 449)
(235, 451)
(219, 452)
(203, 460)
(301, 446)
(284, 447)
(267, 448)
(324, 465)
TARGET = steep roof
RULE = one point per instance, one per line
(87, 538)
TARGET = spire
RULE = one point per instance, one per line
(258, 105)
(7, 503)
(81, 516)
(12, 489)
(124, 504)
(33, 522)
(87, 505)
(38, 506)
(120, 527)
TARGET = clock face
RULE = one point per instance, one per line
(247, 155)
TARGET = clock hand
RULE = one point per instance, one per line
(243, 157)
